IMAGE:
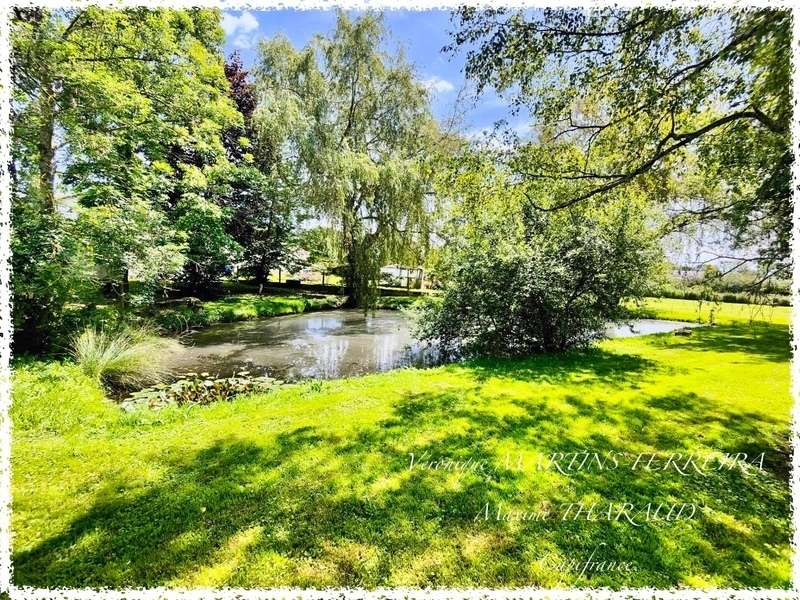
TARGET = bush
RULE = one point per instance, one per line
(48, 272)
(551, 283)
(395, 302)
(122, 358)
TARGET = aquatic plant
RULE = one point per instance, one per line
(200, 388)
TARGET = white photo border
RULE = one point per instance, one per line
(29, 593)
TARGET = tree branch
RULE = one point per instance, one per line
(662, 150)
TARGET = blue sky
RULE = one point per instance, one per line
(421, 35)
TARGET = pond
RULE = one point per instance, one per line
(326, 345)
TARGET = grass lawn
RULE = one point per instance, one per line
(312, 485)
(722, 313)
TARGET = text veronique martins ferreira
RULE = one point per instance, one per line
(683, 464)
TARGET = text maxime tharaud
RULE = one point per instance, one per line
(567, 463)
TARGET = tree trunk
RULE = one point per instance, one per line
(262, 271)
(124, 288)
(351, 282)
(45, 146)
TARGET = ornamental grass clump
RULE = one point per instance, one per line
(124, 358)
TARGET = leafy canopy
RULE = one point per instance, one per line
(518, 280)
(696, 104)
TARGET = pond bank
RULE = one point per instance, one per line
(193, 314)
(190, 313)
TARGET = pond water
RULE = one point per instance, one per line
(326, 345)
(319, 345)
(639, 327)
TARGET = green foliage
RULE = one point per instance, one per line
(132, 240)
(195, 388)
(122, 358)
(320, 243)
(48, 272)
(396, 302)
(262, 216)
(693, 104)
(121, 103)
(352, 124)
(210, 248)
(519, 281)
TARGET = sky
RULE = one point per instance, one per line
(420, 34)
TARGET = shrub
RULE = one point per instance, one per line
(523, 282)
(395, 302)
(122, 358)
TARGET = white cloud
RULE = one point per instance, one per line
(437, 84)
(478, 133)
(244, 23)
(244, 41)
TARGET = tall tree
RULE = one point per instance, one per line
(101, 99)
(263, 211)
(352, 124)
(103, 93)
(659, 94)
(263, 216)
(238, 139)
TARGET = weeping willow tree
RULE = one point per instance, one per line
(351, 126)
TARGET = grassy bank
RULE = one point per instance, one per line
(242, 307)
(311, 485)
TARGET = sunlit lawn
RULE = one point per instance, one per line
(723, 313)
(311, 486)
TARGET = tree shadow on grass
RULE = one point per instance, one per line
(311, 509)
(594, 366)
(763, 341)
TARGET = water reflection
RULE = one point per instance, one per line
(327, 345)
(639, 327)
(322, 345)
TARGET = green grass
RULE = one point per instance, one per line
(723, 313)
(311, 486)
(52, 398)
(122, 358)
(242, 307)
